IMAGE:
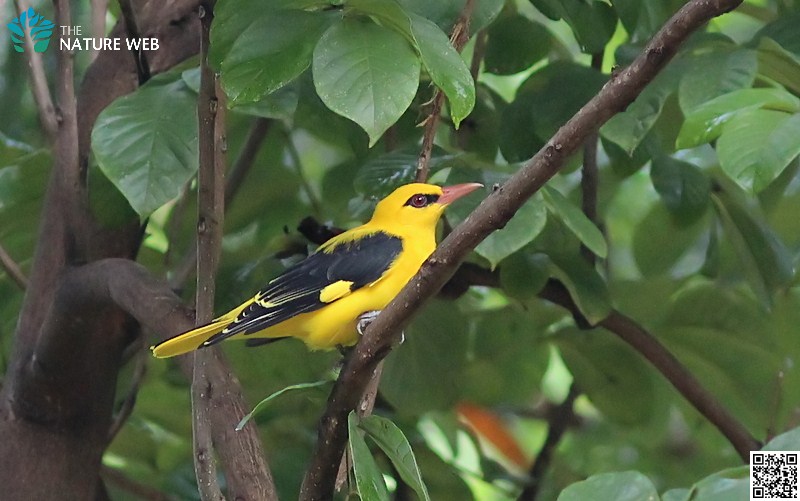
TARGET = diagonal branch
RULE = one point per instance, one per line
(131, 26)
(493, 213)
(459, 38)
(13, 270)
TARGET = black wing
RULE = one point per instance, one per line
(350, 264)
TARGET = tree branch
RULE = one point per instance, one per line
(459, 38)
(99, 10)
(41, 93)
(492, 214)
(139, 58)
(557, 422)
(12, 269)
(210, 212)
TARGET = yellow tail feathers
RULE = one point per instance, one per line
(189, 341)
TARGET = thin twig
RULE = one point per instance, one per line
(41, 92)
(139, 58)
(557, 422)
(477, 54)
(210, 199)
(239, 171)
(459, 38)
(139, 371)
(493, 213)
(298, 168)
(590, 173)
(12, 269)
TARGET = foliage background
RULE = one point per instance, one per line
(698, 201)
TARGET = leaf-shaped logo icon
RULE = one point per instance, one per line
(39, 29)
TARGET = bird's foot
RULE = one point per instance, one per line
(365, 319)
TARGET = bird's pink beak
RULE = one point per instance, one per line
(452, 193)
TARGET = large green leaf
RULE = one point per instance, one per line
(705, 122)
(712, 330)
(621, 486)
(369, 480)
(146, 142)
(683, 187)
(660, 241)
(712, 74)
(726, 485)
(788, 441)
(783, 31)
(445, 67)
(366, 73)
(592, 22)
(756, 145)
(643, 19)
(259, 50)
(515, 44)
(435, 349)
(394, 443)
(766, 262)
(585, 286)
(614, 377)
(576, 221)
(778, 64)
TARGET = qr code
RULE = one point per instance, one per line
(773, 475)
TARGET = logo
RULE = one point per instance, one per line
(40, 30)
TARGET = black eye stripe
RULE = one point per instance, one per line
(429, 199)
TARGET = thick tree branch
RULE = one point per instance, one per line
(41, 93)
(492, 214)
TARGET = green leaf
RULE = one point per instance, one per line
(621, 486)
(610, 373)
(778, 64)
(259, 50)
(380, 175)
(146, 142)
(712, 74)
(394, 443)
(726, 485)
(515, 43)
(263, 403)
(584, 284)
(683, 187)
(661, 240)
(705, 123)
(445, 13)
(369, 480)
(445, 67)
(523, 275)
(576, 221)
(757, 145)
(547, 99)
(782, 31)
(788, 441)
(766, 262)
(643, 19)
(435, 349)
(592, 22)
(702, 315)
(366, 73)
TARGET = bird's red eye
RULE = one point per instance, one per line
(418, 201)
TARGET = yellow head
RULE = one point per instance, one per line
(418, 204)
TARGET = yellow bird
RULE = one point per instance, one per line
(327, 298)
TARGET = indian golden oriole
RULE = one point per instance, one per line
(325, 298)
